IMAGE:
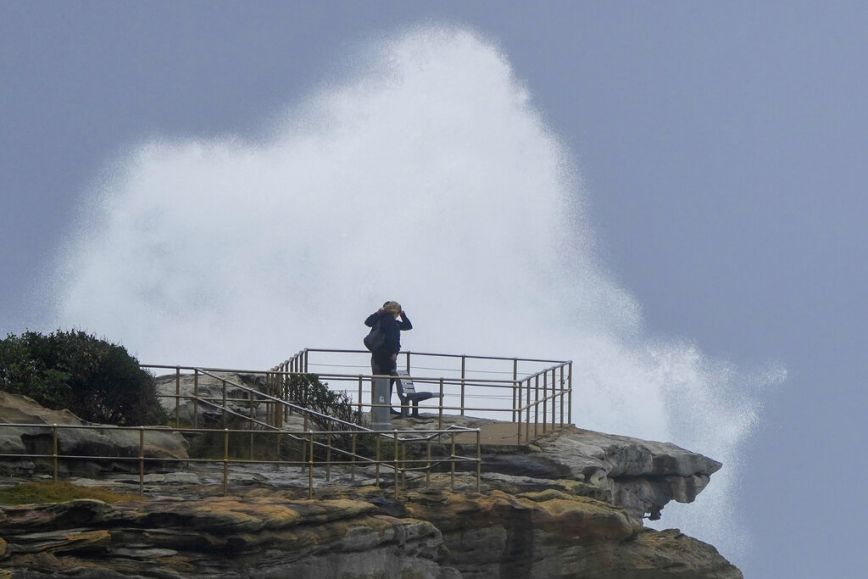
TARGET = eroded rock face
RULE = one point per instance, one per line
(437, 534)
(108, 442)
(570, 505)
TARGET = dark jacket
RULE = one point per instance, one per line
(391, 328)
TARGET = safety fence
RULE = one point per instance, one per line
(272, 412)
(402, 453)
(534, 394)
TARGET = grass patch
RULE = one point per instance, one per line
(59, 492)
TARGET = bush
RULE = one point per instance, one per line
(96, 380)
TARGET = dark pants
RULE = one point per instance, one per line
(384, 364)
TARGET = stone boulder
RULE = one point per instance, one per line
(85, 439)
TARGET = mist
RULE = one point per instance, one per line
(426, 176)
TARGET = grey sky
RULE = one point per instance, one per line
(723, 147)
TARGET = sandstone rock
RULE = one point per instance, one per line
(440, 535)
(104, 441)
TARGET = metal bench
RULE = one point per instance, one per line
(408, 395)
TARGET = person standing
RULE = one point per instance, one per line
(393, 320)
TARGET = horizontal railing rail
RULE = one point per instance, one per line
(534, 392)
(309, 440)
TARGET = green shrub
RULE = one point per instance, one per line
(96, 380)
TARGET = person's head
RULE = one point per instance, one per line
(393, 308)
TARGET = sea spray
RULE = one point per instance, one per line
(429, 178)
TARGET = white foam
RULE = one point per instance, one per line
(428, 178)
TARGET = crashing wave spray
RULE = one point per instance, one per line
(428, 178)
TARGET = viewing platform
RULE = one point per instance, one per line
(312, 420)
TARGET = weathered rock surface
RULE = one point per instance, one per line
(639, 475)
(570, 505)
(103, 441)
(429, 534)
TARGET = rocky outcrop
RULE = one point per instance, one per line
(569, 505)
(639, 475)
(426, 535)
(82, 441)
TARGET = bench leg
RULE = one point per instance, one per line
(415, 409)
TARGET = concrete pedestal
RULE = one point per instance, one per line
(381, 419)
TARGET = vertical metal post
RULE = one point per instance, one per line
(305, 361)
(277, 452)
(518, 438)
(554, 398)
(55, 447)
(310, 469)
(196, 398)
(359, 399)
(408, 361)
(545, 402)
(304, 445)
(428, 470)
(177, 396)
(252, 417)
(224, 404)
(535, 406)
(527, 414)
(141, 460)
(463, 366)
(440, 411)
(570, 395)
(561, 392)
(353, 467)
(225, 460)
(329, 453)
(478, 458)
(452, 460)
(515, 403)
(377, 464)
(396, 463)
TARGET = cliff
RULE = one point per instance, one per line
(571, 505)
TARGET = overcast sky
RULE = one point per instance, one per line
(722, 146)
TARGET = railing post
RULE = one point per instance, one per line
(224, 404)
(196, 398)
(353, 466)
(395, 432)
(225, 460)
(377, 464)
(177, 396)
(408, 361)
(478, 458)
(304, 445)
(570, 395)
(329, 453)
(515, 403)
(463, 366)
(544, 404)
(462, 396)
(452, 460)
(310, 468)
(535, 405)
(141, 460)
(440, 411)
(55, 447)
(527, 414)
(306, 352)
(359, 399)
(277, 452)
(554, 397)
(428, 469)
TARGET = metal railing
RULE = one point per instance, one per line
(308, 443)
(534, 394)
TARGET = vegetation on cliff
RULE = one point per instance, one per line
(95, 379)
